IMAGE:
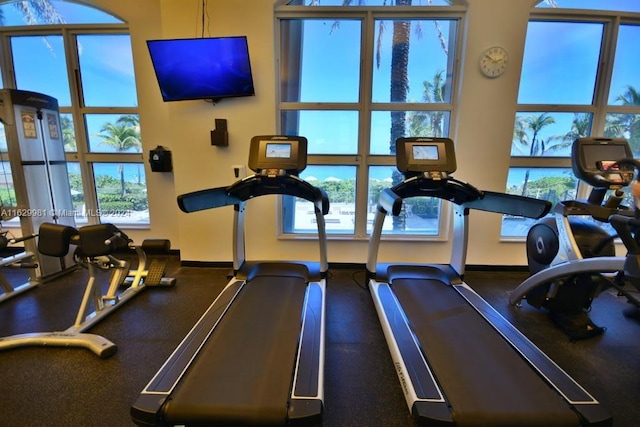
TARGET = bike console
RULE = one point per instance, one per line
(594, 161)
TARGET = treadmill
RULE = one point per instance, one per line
(256, 356)
(458, 360)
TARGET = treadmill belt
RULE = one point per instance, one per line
(243, 373)
(483, 378)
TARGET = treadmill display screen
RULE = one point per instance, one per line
(278, 151)
(425, 152)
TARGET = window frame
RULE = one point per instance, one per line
(599, 107)
(362, 160)
(83, 156)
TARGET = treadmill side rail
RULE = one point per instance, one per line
(146, 409)
(306, 407)
(587, 407)
(511, 204)
(307, 382)
(422, 393)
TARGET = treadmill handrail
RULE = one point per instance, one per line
(251, 187)
(446, 188)
(291, 185)
(390, 202)
(206, 199)
(511, 204)
(463, 194)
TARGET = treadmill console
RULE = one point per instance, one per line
(418, 155)
(275, 154)
(594, 162)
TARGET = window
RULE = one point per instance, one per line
(83, 58)
(352, 81)
(578, 79)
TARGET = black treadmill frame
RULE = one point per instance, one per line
(305, 405)
(424, 395)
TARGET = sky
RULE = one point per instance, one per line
(561, 57)
(106, 67)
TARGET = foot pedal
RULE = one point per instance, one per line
(155, 273)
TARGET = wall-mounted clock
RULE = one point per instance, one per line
(493, 61)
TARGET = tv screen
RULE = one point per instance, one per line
(202, 68)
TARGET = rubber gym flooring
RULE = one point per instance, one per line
(73, 387)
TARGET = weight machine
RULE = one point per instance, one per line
(96, 246)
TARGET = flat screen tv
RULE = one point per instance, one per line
(202, 68)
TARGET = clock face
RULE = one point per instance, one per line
(493, 61)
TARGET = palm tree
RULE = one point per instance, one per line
(435, 92)
(399, 75)
(535, 124)
(626, 125)
(398, 92)
(521, 133)
(36, 11)
(131, 120)
(421, 123)
(630, 97)
(580, 127)
(122, 137)
(68, 134)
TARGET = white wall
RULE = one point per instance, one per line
(486, 109)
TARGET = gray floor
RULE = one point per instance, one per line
(73, 387)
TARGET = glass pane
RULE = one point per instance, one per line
(339, 182)
(328, 132)
(122, 193)
(7, 191)
(40, 66)
(412, 60)
(113, 133)
(617, 5)
(106, 69)
(321, 60)
(416, 123)
(625, 83)
(77, 192)
(52, 12)
(367, 3)
(3, 141)
(624, 126)
(560, 63)
(419, 215)
(548, 134)
(552, 184)
(68, 133)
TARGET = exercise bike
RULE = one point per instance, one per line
(95, 249)
(571, 257)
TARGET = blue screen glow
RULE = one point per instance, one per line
(203, 68)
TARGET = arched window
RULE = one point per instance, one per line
(82, 56)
